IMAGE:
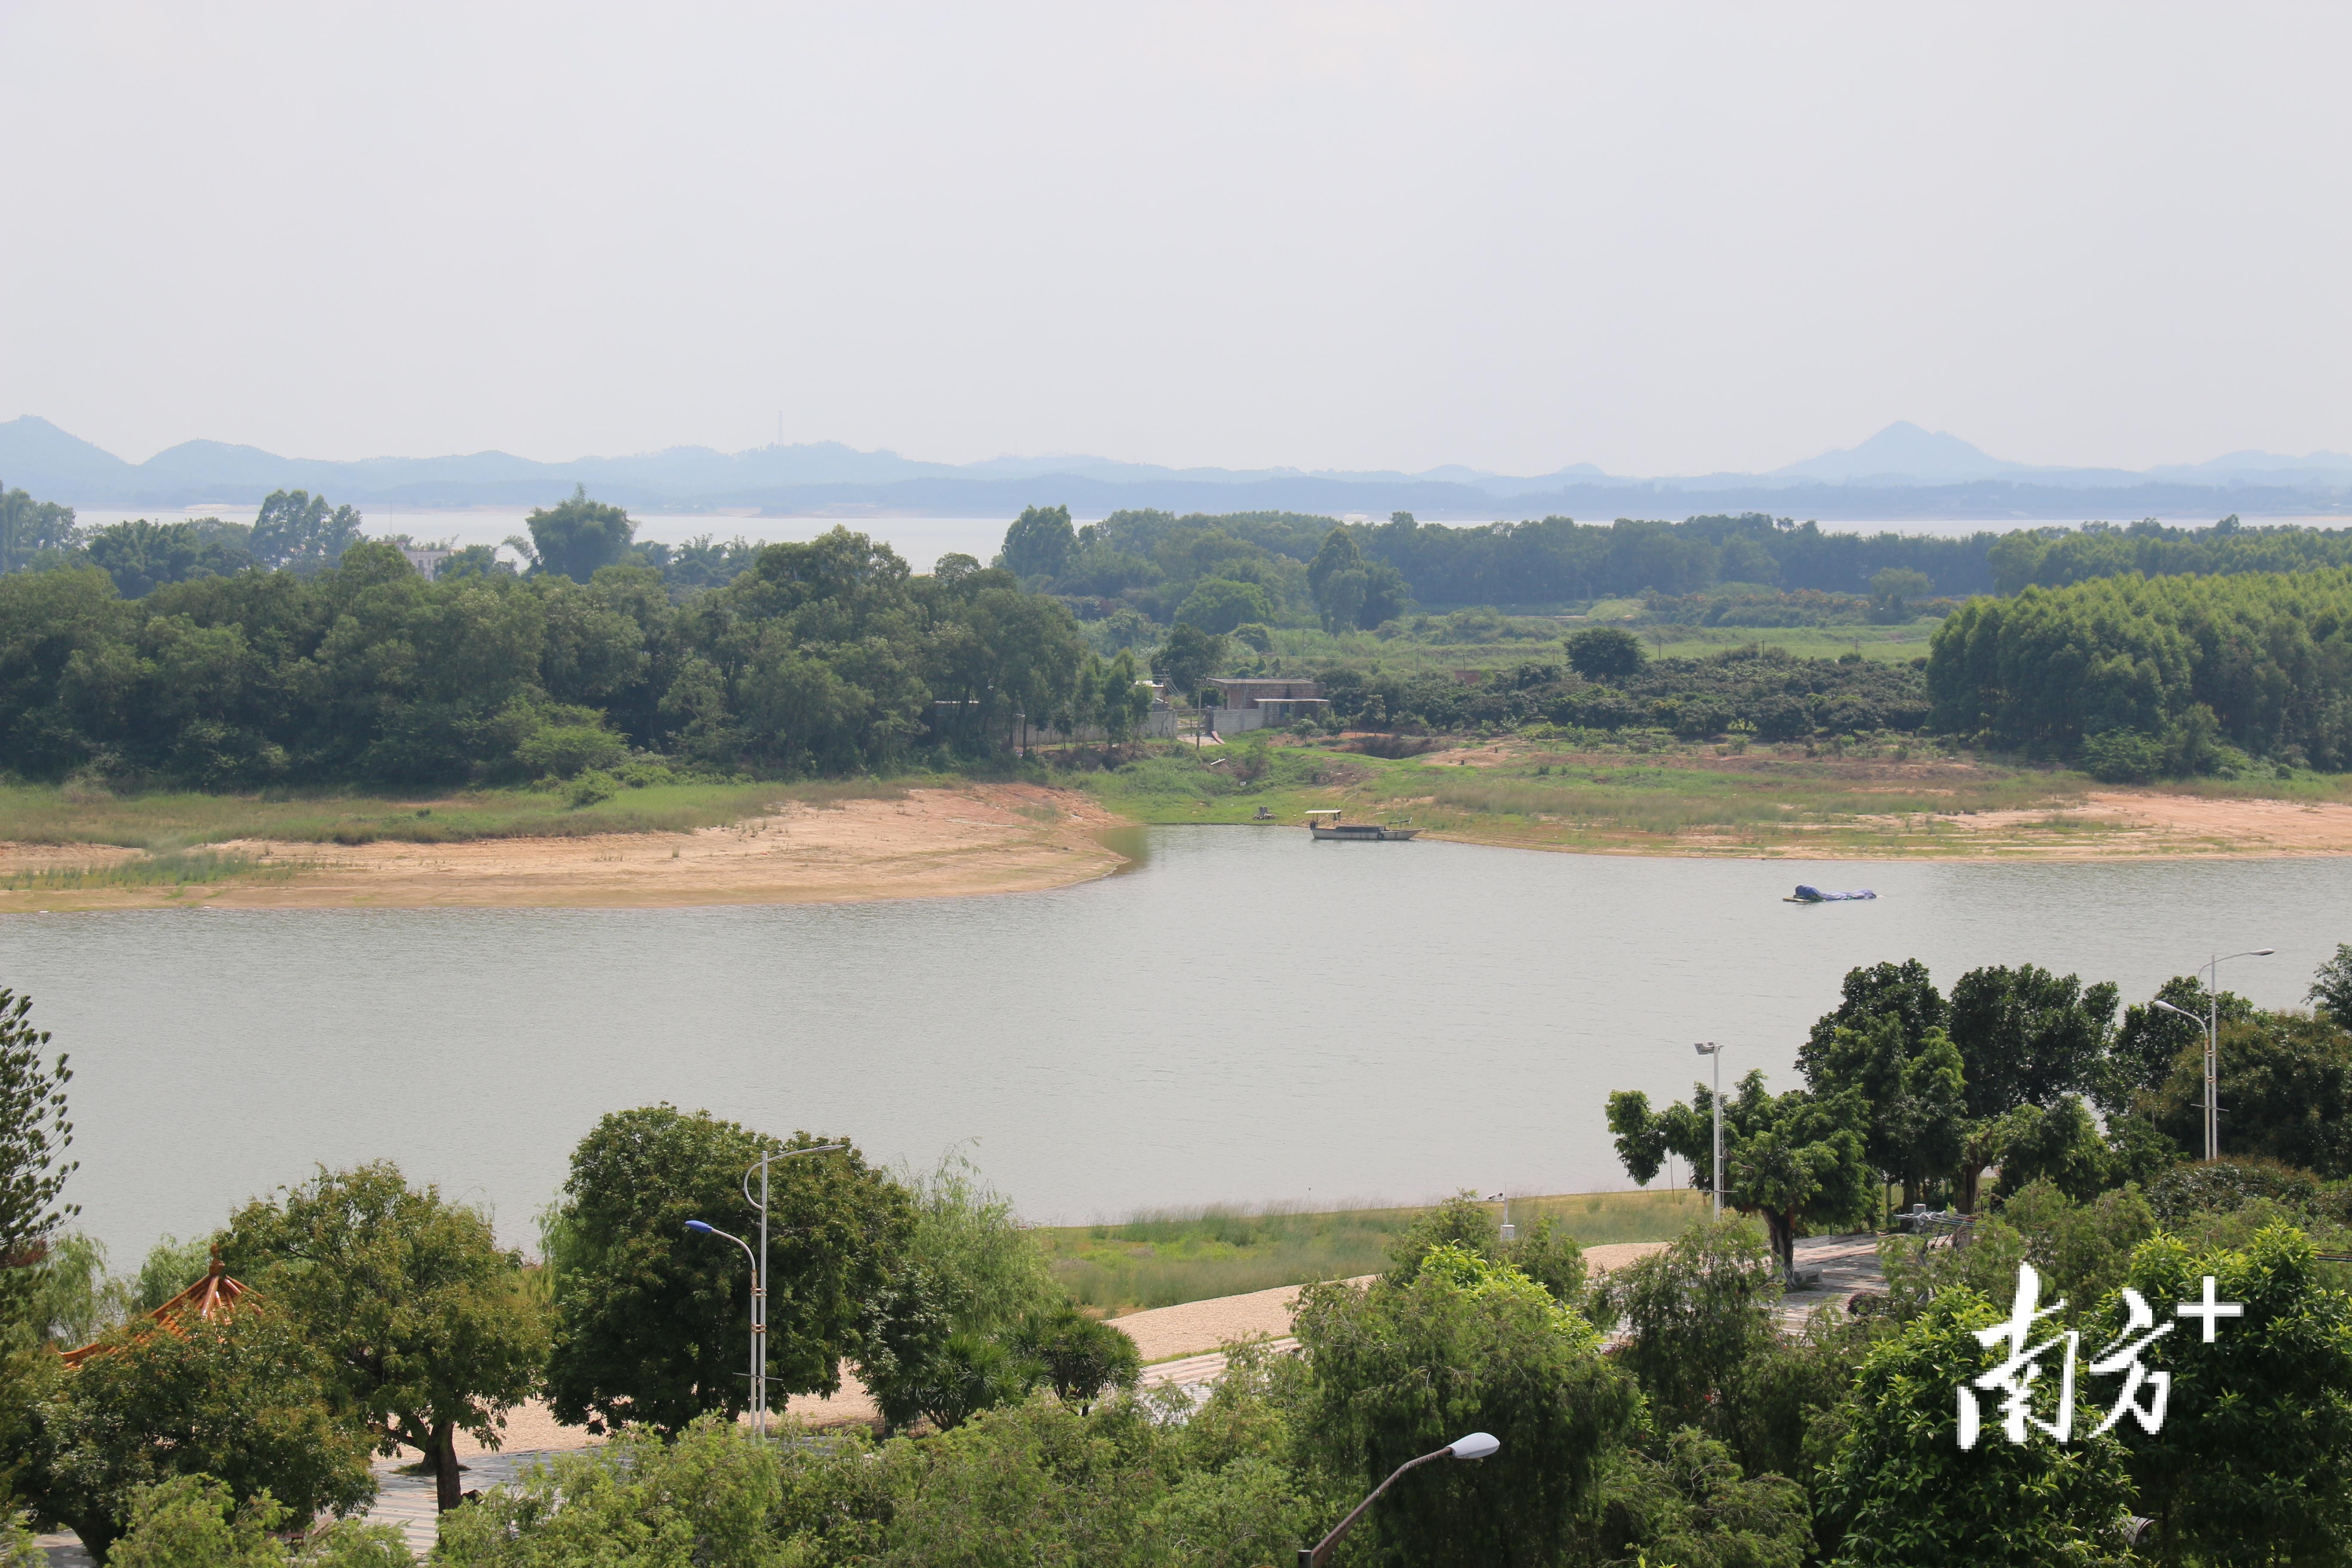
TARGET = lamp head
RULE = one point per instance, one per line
(1707, 1048)
(698, 1228)
(1477, 1446)
(2261, 953)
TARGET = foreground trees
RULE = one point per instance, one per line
(423, 1318)
(651, 1318)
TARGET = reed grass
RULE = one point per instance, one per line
(1166, 1258)
(176, 868)
(163, 822)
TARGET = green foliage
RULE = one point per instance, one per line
(300, 532)
(2262, 662)
(577, 537)
(194, 1522)
(1693, 1506)
(2224, 1187)
(2331, 987)
(1078, 1355)
(1796, 1160)
(1699, 1315)
(34, 1137)
(242, 1398)
(823, 657)
(1039, 543)
(2254, 1460)
(73, 1299)
(28, 529)
(1188, 657)
(2286, 1085)
(2151, 1039)
(1911, 1087)
(1220, 605)
(1544, 1251)
(422, 1316)
(650, 1317)
(1605, 653)
(1900, 1492)
(141, 556)
(2123, 756)
(2055, 557)
(170, 1267)
(1394, 1370)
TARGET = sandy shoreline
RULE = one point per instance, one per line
(929, 844)
(2104, 825)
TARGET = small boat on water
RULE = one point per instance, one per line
(1326, 825)
(1808, 894)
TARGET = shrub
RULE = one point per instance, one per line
(2123, 756)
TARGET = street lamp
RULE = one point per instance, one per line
(760, 1285)
(1477, 1446)
(2213, 1022)
(1709, 1048)
(701, 1229)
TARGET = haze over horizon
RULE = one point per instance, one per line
(1662, 241)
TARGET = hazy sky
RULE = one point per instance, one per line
(1661, 238)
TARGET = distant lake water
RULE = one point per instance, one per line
(1243, 1016)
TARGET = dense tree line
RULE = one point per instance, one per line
(825, 657)
(2055, 557)
(2144, 676)
(1156, 561)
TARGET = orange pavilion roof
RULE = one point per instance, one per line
(213, 1294)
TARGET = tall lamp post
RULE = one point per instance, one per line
(2213, 1022)
(1709, 1048)
(759, 1391)
(1477, 1446)
(701, 1229)
(759, 1296)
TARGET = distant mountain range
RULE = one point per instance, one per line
(1902, 472)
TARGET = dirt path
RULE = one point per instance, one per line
(931, 844)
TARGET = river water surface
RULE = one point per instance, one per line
(1243, 1016)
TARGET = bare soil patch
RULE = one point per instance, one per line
(933, 843)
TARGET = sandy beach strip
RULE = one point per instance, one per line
(929, 844)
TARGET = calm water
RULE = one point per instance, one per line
(1245, 1017)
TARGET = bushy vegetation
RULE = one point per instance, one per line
(2144, 676)
(824, 657)
(2057, 557)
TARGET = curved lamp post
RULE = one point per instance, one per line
(760, 1278)
(2213, 1022)
(1477, 1446)
(700, 1228)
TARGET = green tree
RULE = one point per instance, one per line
(34, 1137)
(578, 536)
(1543, 1250)
(650, 1318)
(2331, 987)
(143, 557)
(1396, 1371)
(1694, 1505)
(2253, 1462)
(1893, 590)
(1699, 1319)
(1912, 1092)
(1080, 1357)
(2026, 1037)
(2151, 1039)
(28, 527)
(1337, 579)
(425, 1317)
(298, 532)
(1795, 1160)
(1900, 989)
(1605, 653)
(2284, 1082)
(194, 1522)
(242, 1398)
(1039, 543)
(1188, 656)
(1900, 1492)
(1218, 605)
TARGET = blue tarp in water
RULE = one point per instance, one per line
(1812, 895)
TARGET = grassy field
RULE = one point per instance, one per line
(1162, 1260)
(163, 824)
(1538, 639)
(1646, 793)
